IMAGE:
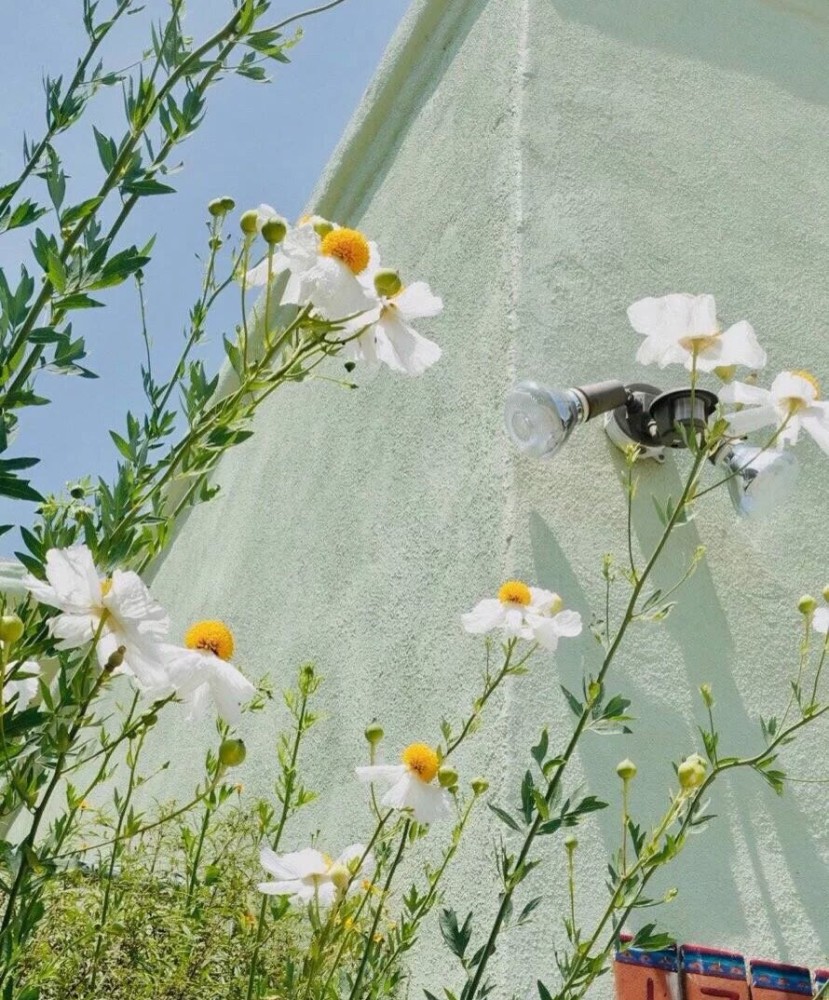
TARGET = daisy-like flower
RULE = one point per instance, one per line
(309, 874)
(119, 609)
(792, 403)
(679, 327)
(24, 686)
(325, 262)
(201, 671)
(390, 337)
(522, 612)
(413, 784)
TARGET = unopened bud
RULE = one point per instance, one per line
(307, 677)
(626, 769)
(807, 604)
(115, 659)
(151, 719)
(707, 695)
(571, 842)
(374, 733)
(322, 228)
(227, 203)
(691, 772)
(11, 629)
(387, 282)
(447, 776)
(826, 593)
(249, 222)
(340, 876)
(217, 207)
(232, 753)
(671, 894)
(77, 493)
(479, 785)
(274, 230)
(725, 373)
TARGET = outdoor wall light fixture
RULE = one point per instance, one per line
(539, 420)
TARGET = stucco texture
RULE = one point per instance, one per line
(543, 163)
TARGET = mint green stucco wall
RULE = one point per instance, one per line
(543, 163)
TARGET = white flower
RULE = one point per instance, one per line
(412, 783)
(390, 337)
(200, 672)
(325, 262)
(523, 612)
(676, 327)
(24, 685)
(820, 620)
(119, 606)
(792, 403)
(308, 874)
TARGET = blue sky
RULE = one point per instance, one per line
(259, 143)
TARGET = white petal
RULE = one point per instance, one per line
(230, 689)
(400, 794)
(326, 893)
(306, 862)
(134, 607)
(74, 581)
(429, 803)
(402, 348)
(820, 620)
(736, 346)
(745, 394)
(545, 633)
(24, 688)
(73, 630)
(746, 421)
(818, 428)
(485, 616)
(416, 301)
(568, 623)
(380, 772)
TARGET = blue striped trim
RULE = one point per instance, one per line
(821, 979)
(777, 976)
(666, 959)
(712, 962)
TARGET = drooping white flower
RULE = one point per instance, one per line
(24, 686)
(309, 874)
(820, 621)
(677, 327)
(119, 607)
(522, 612)
(200, 672)
(790, 404)
(388, 335)
(413, 785)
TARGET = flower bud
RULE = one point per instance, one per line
(77, 493)
(151, 719)
(691, 772)
(387, 282)
(807, 604)
(249, 222)
(826, 593)
(479, 785)
(626, 769)
(216, 207)
(340, 876)
(707, 695)
(232, 753)
(725, 373)
(374, 733)
(307, 678)
(274, 230)
(227, 203)
(11, 629)
(447, 776)
(571, 842)
(115, 659)
(323, 228)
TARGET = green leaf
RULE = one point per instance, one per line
(543, 992)
(539, 751)
(146, 186)
(77, 212)
(504, 816)
(576, 706)
(107, 150)
(78, 300)
(56, 272)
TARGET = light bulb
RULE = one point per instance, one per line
(539, 419)
(760, 480)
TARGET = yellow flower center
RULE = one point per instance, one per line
(213, 636)
(106, 586)
(348, 246)
(810, 378)
(514, 592)
(421, 760)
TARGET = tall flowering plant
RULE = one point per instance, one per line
(88, 661)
